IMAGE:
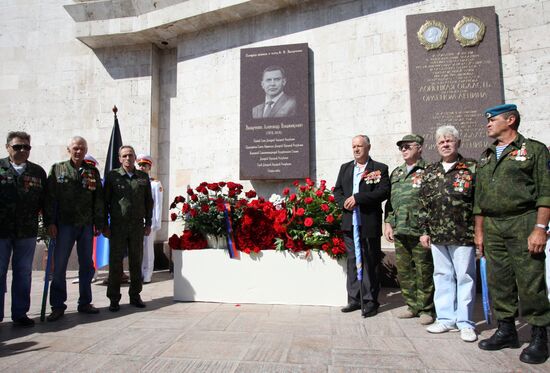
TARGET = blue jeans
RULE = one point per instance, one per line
(455, 284)
(67, 235)
(23, 255)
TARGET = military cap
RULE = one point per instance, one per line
(499, 109)
(91, 160)
(144, 158)
(411, 138)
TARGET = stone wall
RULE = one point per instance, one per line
(182, 103)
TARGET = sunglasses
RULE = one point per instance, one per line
(406, 147)
(19, 147)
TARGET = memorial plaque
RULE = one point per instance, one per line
(274, 133)
(454, 75)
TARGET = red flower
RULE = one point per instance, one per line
(325, 207)
(308, 222)
(303, 188)
(300, 212)
(173, 216)
(194, 198)
(193, 212)
(296, 182)
(231, 185)
(190, 191)
(309, 182)
(221, 183)
(319, 193)
(331, 198)
(231, 193)
(308, 200)
(205, 208)
(179, 199)
(174, 242)
(329, 219)
(250, 194)
(292, 197)
(214, 187)
(185, 208)
(286, 191)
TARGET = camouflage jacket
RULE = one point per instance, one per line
(447, 200)
(128, 200)
(75, 196)
(22, 198)
(403, 207)
(518, 182)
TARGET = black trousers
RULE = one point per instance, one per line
(372, 258)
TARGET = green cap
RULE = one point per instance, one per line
(411, 138)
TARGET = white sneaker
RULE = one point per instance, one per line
(438, 328)
(468, 335)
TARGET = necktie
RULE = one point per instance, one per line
(267, 108)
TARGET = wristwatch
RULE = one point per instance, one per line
(541, 226)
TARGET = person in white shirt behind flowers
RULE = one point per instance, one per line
(145, 163)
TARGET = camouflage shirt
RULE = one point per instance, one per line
(447, 200)
(21, 199)
(128, 200)
(518, 182)
(75, 196)
(403, 207)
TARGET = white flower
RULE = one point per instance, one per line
(277, 201)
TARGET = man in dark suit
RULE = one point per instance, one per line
(362, 185)
(277, 103)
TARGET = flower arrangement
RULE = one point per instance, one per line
(308, 219)
(314, 220)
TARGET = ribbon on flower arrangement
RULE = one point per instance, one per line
(231, 243)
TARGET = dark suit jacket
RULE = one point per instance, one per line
(284, 107)
(369, 198)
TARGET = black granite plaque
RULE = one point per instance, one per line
(274, 136)
(454, 75)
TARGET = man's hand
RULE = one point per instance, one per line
(536, 242)
(147, 231)
(52, 230)
(425, 241)
(107, 232)
(388, 232)
(478, 241)
(349, 203)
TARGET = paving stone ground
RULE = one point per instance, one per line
(170, 336)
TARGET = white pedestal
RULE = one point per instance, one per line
(271, 277)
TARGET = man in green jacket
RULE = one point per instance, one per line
(512, 208)
(22, 192)
(414, 263)
(129, 203)
(74, 213)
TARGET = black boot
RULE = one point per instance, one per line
(505, 336)
(537, 351)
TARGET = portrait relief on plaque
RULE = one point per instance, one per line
(433, 34)
(274, 113)
(469, 31)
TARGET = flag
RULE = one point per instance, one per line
(485, 290)
(101, 243)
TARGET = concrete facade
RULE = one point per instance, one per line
(173, 72)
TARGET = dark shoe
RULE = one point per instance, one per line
(506, 336)
(537, 351)
(87, 308)
(56, 314)
(351, 307)
(369, 311)
(114, 306)
(137, 302)
(23, 322)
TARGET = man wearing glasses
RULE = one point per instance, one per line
(414, 263)
(22, 191)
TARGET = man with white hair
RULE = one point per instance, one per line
(447, 226)
(74, 213)
(145, 163)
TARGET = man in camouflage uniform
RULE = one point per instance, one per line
(22, 192)
(414, 263)
(129, 203)
(512, 209)
(447, 226)
(74, 213)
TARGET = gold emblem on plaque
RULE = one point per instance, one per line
(432, 34)
(469, 31)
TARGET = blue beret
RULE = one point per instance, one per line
(497, 110)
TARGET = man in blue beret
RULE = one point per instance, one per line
(512, 208)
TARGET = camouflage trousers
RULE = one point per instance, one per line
(415, 274)
(512, 272)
